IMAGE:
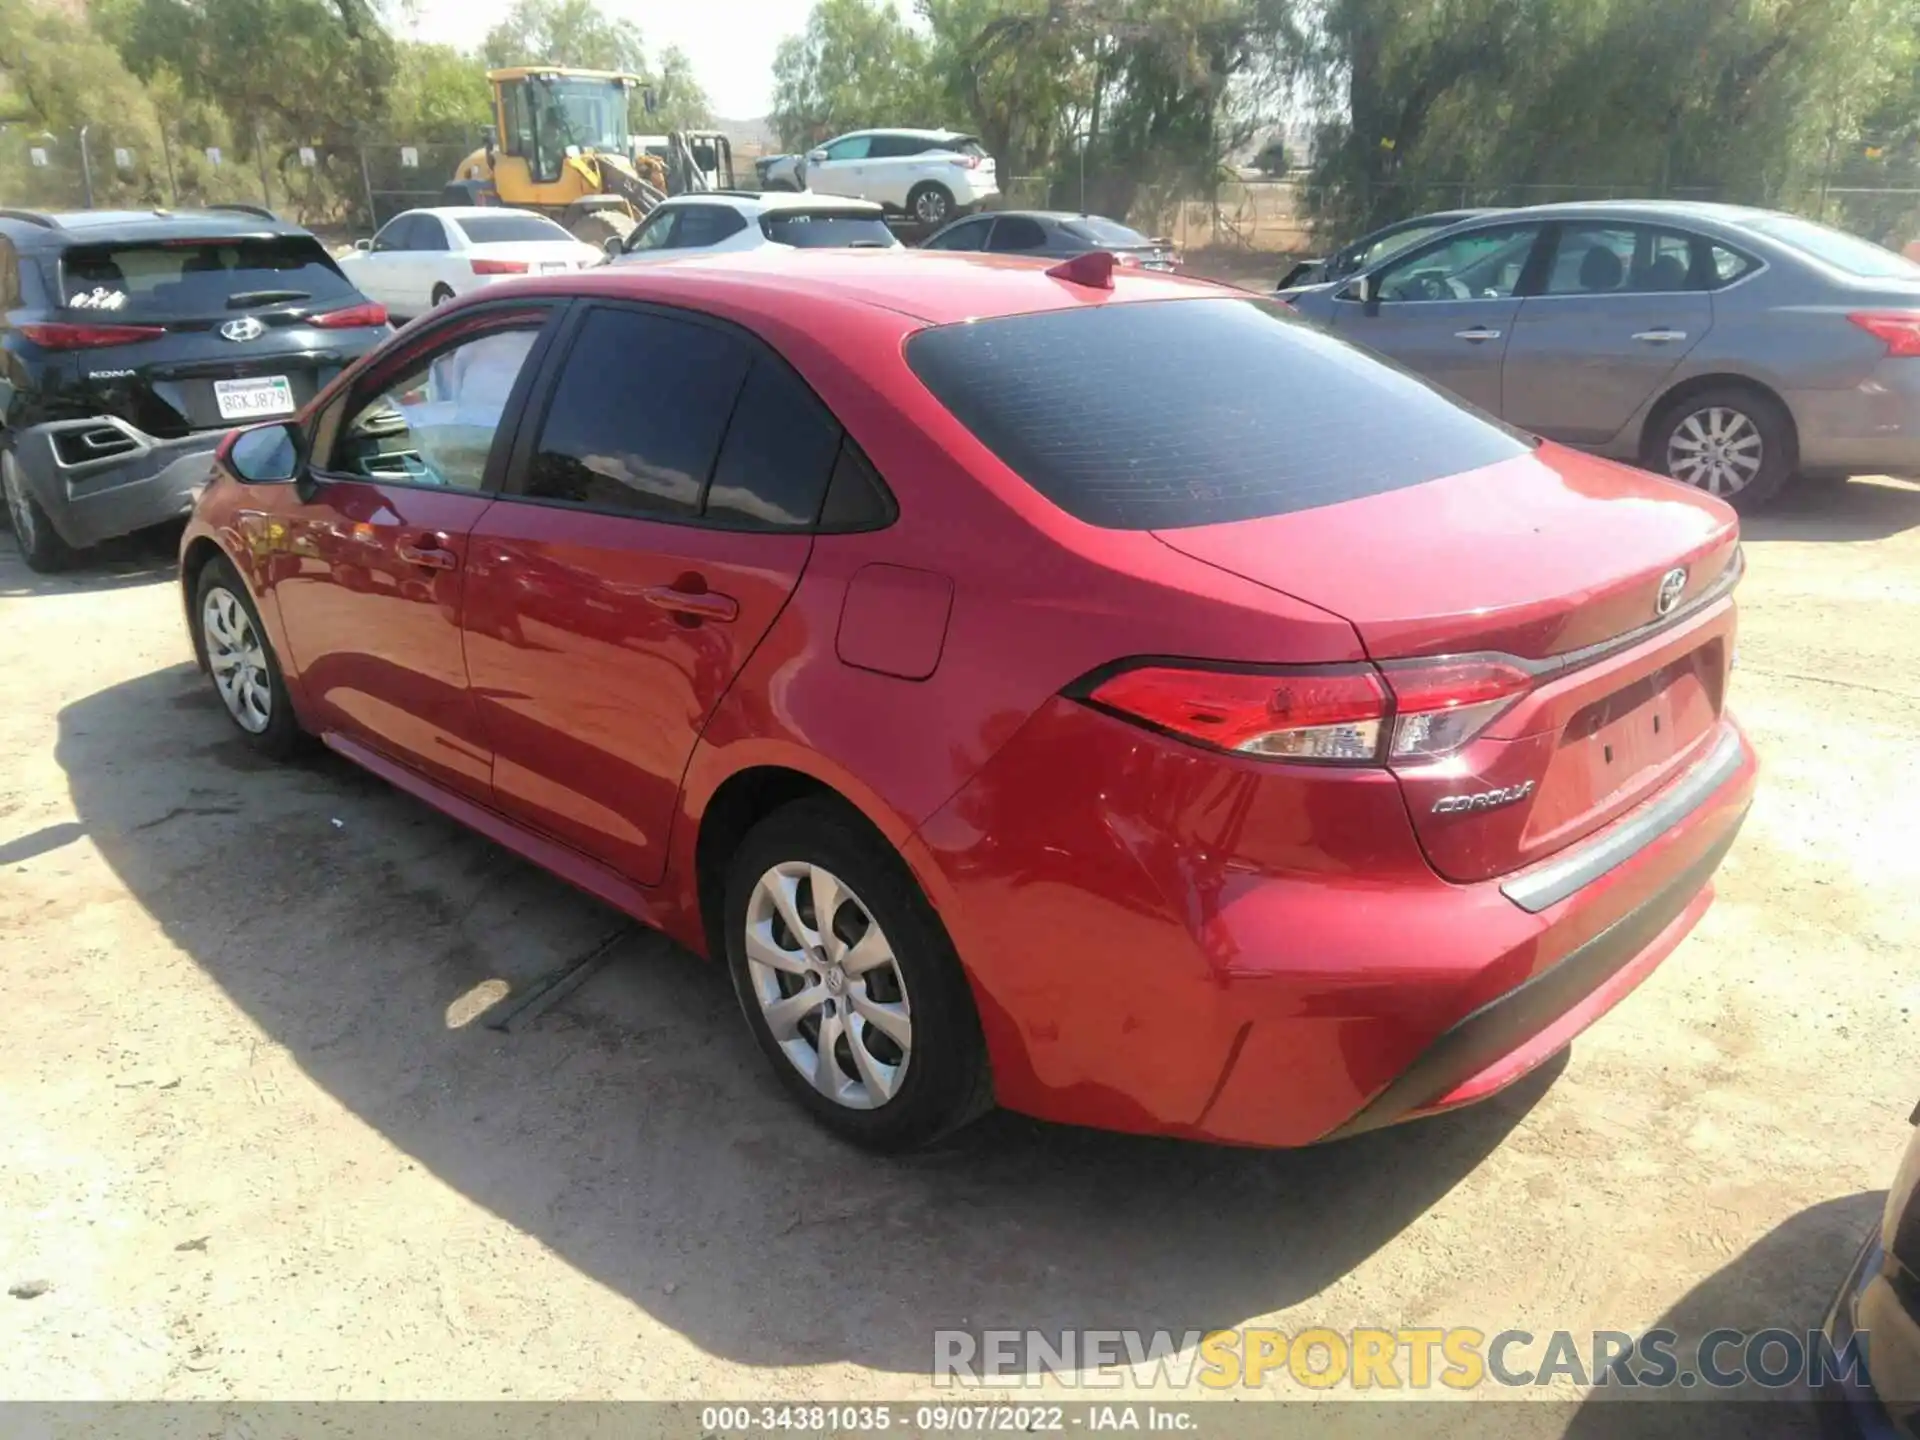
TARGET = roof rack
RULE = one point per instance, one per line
(241, 207)
(32, 217)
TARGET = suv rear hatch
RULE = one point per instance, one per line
(1552, 628)
(178, 335)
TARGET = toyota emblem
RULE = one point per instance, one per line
(1673, 585)
(245, 328)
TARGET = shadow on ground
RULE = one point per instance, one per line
(142, 559)
(1865, 509)
(634, 1129)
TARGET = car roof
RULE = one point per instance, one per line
(760, 202)
(470, 212)
(57, 229)
(934, 287)
(1056, 215)
(909, 133)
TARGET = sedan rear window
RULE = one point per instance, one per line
(1160, 415)
(510, 229)
(1837, 248)
(1102, 231)
(821, 230)
(192, 279)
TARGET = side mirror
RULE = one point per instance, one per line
(816, 156)
(1359, 288)
(268, 455)
(363, 244)
(615, 246)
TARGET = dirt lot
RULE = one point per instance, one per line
(257, 1144)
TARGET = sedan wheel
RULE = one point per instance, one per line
(237, 659)
(828, 985)
(1718, 449)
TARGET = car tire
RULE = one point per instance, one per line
(40, 544)
(1744, 440)
(441, 295)
(241, 665)
(930, 203)
(921, 1071)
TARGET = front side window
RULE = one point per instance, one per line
(967, 235)
(396, 234)
(637, 415)
(854, 147)
(1014, 233)
(1364, 256)
(435, 424)
(656, 233)
(1479, 265)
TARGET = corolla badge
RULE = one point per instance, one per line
(1673, 585)
(248, 328)
(1484, 800)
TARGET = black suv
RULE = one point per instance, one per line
(132, 341)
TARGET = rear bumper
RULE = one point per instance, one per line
(143, 482)
(1872, 428)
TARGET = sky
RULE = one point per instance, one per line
(730, 42)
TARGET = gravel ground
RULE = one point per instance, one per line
(259, 1144)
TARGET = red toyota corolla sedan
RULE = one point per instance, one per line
(1084, 690)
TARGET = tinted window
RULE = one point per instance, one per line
(1479, 265)
(1017, 232)
(9, 275)
(967, 235)
(434, 425)
(885, 147)
(1842, 251)
(816, 232)
(429, 233)
(1161, 415)
(655, 234)
(510, 229)
(1598, 259)
(199, 278)
(702, 225)
(637, 415)
(1102, 231)
(395, 234)
(778, 453)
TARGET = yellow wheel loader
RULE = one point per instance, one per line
(559, 145)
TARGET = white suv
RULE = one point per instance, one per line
(931, 175)
(722, 220)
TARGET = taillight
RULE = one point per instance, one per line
(1410, 710)
(1899, 328)
(499, 267)
(1332, 714)
(965, 162)
(371, 313)
(1439, 705)
(1129, 261)
(56, 335)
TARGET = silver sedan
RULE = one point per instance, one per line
(1730, 348)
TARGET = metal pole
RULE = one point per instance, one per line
(260, 150)
(166, 149)
(86, 165)
(1083, 174)
(366, 182)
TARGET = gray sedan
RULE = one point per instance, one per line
(1733, 349)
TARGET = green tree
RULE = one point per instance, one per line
(565, 32)
(679, 103)
(857, 64)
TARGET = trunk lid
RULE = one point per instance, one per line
(1554, 558)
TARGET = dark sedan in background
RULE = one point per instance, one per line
(1374, 246)
(1055, 233)
(1879, 1306)
(1730, 348)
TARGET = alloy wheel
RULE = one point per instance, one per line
(238, 660)
(17, 508)
(1718, 449)
(828, 985)
(930, 208)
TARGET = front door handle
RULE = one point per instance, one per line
(429, 553)
(1659, 337)
(1477, 334)
(690, 605)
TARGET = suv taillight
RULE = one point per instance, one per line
(354, 316)
(965, 162)
(1410, 710)
(58, 335)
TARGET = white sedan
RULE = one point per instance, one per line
(423, 258)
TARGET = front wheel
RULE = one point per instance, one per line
(40, 545)
(245, 672)
(849, 982)
(930, 203)
(1731, 442)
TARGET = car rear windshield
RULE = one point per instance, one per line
(825, 231)
(1836, 247)
(1102, 231)
(510, 229)
(183, 279)
(964, 145)
(1160, 415)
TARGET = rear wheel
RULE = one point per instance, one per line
(40, 545)
(930, 203)
(849, 982)
(1730, 441)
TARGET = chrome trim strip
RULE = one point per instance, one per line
(1574, 659)
(1555, 881)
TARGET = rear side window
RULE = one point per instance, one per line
(778, 454)
(707, 225)
(825, 232)
(9, 276)
(197, 279)
(1014, 233)
(510, 229)
(637, 415)
(1166, 414)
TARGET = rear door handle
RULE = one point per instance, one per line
(429, 553)
(1477, 334)
(694, 604)
(1659, 337)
